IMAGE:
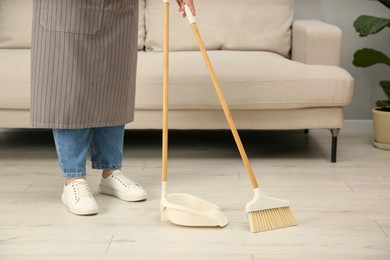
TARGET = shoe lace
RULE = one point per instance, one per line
(81, 189)
(124, 180)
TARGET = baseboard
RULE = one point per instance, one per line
(358, 126)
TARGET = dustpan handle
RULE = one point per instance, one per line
(221, 97)
(164, 174)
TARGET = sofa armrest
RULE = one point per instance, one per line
(316, 42)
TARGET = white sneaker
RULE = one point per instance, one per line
(78, 198)
(120, 186)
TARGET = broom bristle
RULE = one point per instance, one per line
(269, 219)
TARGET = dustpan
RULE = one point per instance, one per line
(187, 210)
(180, 208)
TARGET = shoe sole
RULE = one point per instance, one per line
(121, 195)
(81, 212)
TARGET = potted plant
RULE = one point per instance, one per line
(367, 25)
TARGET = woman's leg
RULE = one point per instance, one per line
(107, 155)
(72, 148)
(107, 148)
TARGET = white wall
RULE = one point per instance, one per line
(343, 13)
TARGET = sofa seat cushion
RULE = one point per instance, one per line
(250, 80)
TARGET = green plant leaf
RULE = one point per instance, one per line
(383, 104)
(368, 57)
(385, 84)
(366, 25)
(385, 2)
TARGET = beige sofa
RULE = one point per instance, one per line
(276, 72)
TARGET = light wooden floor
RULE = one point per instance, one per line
(343, 209)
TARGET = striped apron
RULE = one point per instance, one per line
(83, 63)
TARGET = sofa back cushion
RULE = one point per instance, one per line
(141, 25)
(16, 23)
(261, 25)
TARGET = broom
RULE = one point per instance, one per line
(264, 213)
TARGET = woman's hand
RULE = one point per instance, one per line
(190, 4)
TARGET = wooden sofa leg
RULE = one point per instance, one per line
(335, 132)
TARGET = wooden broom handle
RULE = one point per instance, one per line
(225, 107)
(164, 175)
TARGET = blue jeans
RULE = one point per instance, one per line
(105, 145)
